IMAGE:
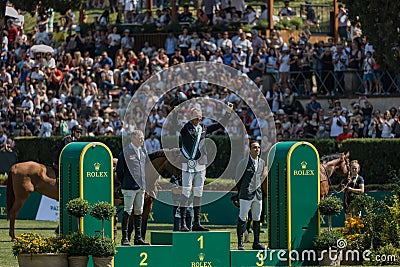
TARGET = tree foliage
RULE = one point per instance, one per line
(40, 5)
(380, 20)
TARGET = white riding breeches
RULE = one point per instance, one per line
(255, 206)
(193, 180)
(133, 200)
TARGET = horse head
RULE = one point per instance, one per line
(342, 168)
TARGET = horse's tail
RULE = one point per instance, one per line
(10, 196)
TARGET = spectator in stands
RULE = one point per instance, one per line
(286, 11)
(340, 63)
(313, 106)
(345, 134)
(186, 15)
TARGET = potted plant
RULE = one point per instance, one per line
(78, 207)
(103, 248)
(326, 244)
(79, 249)
(330, 205)
(103, 251)
(33, 250)
(103, 211)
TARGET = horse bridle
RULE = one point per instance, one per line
(329, 181)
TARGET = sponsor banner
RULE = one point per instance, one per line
(48, 210)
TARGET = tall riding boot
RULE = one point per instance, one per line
(184, 203)
(138, 225)
(197, 210)
(177, 219)
(189, 218)
(130, 227)
(184, 228)
(256, 229)
(239, 232)
(124, 226)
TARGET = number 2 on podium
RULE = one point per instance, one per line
(201, 241)
(143, 261)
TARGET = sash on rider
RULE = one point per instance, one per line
(191, 164)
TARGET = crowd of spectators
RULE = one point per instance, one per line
(47, 93)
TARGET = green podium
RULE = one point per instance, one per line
(150, 256)
(198, 249)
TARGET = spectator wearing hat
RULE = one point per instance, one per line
(37, 74)
(243, 42)
(42, 36)
(106, 128)
(127, 42)
(152, 144)
(29, 62)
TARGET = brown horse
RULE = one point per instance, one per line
(338, 163)
(27, 177)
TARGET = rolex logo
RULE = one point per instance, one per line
(303, 165)
(201, 256)
(97, 166)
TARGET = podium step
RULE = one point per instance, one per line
(161, 238)
(150, 256)
(255, 258)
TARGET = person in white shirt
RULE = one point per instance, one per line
(337, 121)
(127, 41)
(46, 128)
(152, 144)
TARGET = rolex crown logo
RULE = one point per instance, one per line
(303, 165)
(97, 166)
(201, 256)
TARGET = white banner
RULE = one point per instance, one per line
(48, 210)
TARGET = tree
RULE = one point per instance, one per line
(379, 20)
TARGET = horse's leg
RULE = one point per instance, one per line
(148, 205)
(115, 226)
(18, 204)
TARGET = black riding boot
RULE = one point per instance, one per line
(184, 203)
(138, 225)
(130, 227)
(184, 228)
(256, 229)
(188, 219)
(197, 209)
(124, 226)
(239, 232)
(177, 219)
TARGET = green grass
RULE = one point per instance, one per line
(47, 229)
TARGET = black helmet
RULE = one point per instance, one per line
(77, 128)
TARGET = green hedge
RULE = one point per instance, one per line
(379, 158)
